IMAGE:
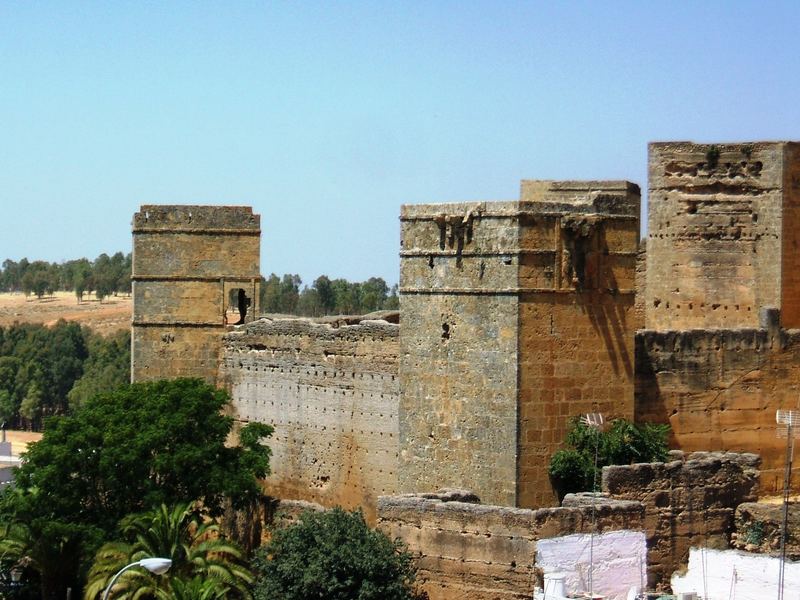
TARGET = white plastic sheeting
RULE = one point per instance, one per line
(724, 574)
(619, 561)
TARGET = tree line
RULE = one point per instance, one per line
(326, 296)
(111, 275)
(105, 275)
(48, 371)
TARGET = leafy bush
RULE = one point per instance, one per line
(572, 469)
(333, 555)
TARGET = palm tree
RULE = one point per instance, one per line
(192, 589)
(193, 543)
(52, 550)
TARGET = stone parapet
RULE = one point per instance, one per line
(688, 502)
(464, 549)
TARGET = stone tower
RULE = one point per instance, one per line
(723, 234)
(191, 265)
(516, 316)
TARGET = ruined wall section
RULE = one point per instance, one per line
(688, 502)
(759, 526)
(331, 393)
(578, 248)
(481, 552)
(721, 388)
(458, 348)
(185, 260)
(716, 235)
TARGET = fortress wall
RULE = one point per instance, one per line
(331, 392)
(458, 348)
(576, 316)
(718, 246)
(186, 259)
(688, 502)
(482, 552)
(720, 389)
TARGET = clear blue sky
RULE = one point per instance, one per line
(326, 116)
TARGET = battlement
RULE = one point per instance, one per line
(176, 217)
(621, 198)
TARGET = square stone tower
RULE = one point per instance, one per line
(723, 234)
(515, 316)
(191, 264)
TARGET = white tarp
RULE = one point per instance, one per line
(723, 574)
(619, 561)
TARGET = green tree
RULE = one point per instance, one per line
(393, 300)
(182, 534)
(30, 408)
(51, 550)
(81, 276)
(129, 451)
(374, 292)
(106, 368)
(346, 293)
(333, 555)
(325, 294)
(573, 468)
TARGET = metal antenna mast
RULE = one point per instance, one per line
(593, 421)
(789, 420)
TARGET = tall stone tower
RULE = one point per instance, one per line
(723, 234)
(516, 316)
(191, 266)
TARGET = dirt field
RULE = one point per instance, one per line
(20, 440)
(108, 316)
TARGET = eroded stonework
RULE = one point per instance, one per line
(723, 228)
(331, 390)
(186, 262)
(516, 316)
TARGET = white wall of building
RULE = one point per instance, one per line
(618, 559)
(723, 574)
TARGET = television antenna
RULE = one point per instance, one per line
(788, 427)
(593, 421)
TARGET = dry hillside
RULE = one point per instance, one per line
(105, 317)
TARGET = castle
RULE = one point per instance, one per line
(514, 317)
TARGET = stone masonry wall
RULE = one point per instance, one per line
(759, 526)
(688, 502)
(331, 392)
(516, 316)
(578, 246)
(722, 234)
(186, 260)
(721, 388)
(458, 348)
(469, 550)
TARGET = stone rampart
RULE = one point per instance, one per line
(481, 552)
(722, 234)
(688, 502)
(720, 389)
(331, 392)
